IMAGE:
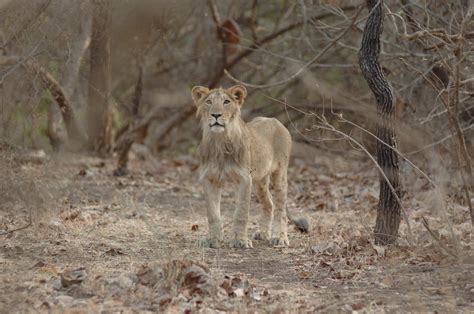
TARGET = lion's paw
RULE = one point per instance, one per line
(260, 236)
(241, 244)
(212, 243)
(280, 242)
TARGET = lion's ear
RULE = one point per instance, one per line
(198, 92)
(239, 93)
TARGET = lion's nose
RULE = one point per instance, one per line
(216, 115)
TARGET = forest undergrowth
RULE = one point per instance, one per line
(99, 242)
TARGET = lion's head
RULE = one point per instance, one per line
(218, 108)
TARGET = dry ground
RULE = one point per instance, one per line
(102, 243)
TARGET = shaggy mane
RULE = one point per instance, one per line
(222, 153)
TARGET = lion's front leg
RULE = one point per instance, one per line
(213, 199)
(241, 214)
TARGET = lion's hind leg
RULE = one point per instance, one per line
(266, 219)
(280, 224)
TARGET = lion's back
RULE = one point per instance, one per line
(271, 144)
(272, 130)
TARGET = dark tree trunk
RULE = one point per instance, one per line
(388, 212)
(99, 80)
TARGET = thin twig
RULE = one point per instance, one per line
(27, 225)
(297, 73)
(253, 20)
(26, 25)
(443, 246)
(325, 125)
(215, 13)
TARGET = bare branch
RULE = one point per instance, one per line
(253, 20)
(26, 25)
(309, 63)
(215, 13)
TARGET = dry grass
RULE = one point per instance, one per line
(131, 243)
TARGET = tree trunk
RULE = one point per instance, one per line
(124, 148)
(71, 75)
(52, 129)
(388, 212)
(74, 131)
(99, 79)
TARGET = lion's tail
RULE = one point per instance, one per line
(301, 223)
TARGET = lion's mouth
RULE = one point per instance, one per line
(216, 124)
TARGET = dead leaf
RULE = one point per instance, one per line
(197, 280)
(226, 284)
(100, 164)
(343, 274)
(257, 296)
(45, 306)
(114, 252)
(146, 276)
(239, 292)
(82, 172)
(73, 277)
(195, 227)
(164, 300)
(380, 250)
(387, 282)
(238, 286)
(38, 265)
(65, 300)
(328, 248)
(70, 215)
(320, 206)
(357, 306)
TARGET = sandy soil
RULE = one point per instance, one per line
(103, 243)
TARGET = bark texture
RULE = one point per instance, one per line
(99, 80)
(71, 77)
(73, 129)
(388, 212)
(72, 126)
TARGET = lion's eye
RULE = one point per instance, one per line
(226, 102)
(208, 102)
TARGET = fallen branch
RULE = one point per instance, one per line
(27, 225)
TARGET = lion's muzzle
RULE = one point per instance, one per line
(216, 124)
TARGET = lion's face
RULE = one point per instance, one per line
(218, 108)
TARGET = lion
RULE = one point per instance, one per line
(245, 154)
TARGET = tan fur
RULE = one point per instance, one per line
(245, 154)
